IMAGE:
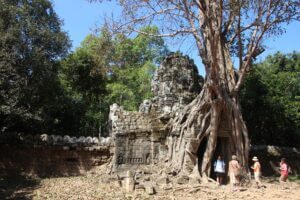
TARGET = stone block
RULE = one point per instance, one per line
(150, 189)
(182, 180)
(164, 180)
(129, 182)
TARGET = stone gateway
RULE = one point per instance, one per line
(140, 138)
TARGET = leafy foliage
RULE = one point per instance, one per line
(85, 83)
(31, 42)
(271, 100)
(109, 69)
(129, 62)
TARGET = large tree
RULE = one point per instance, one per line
(223, 30)
(31, 42)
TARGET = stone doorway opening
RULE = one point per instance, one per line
(222, 149)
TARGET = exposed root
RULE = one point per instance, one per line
(201, 119)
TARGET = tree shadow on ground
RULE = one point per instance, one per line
(17, 187)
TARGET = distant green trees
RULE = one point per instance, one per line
(134, 63)
(43, 88)
(271, 100)
(84, 84)
(109, 69)
(31, 43)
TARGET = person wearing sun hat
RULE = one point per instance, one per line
(257, 170)
(234, 169)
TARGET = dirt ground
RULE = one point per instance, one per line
(96, 185)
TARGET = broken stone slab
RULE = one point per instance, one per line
(150, 190)
(164, 180)
(170, 171)
(129, 182)
(138, 175)
(182, 180)
(169, 186)
(146, 178)
(139, 187)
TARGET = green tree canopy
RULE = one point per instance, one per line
(109, 69)
(135, 60)
(271, 99)
(85, 83)
(31, 42)
(128, 63)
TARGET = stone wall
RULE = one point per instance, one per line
(137, 138)
(45, 161)
(140, 137)
(51, 155)
(55, 161)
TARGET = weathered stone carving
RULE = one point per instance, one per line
(136, 136)
(140, 137)
(145, 106)
(175, 83)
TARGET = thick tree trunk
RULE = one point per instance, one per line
(203, 119)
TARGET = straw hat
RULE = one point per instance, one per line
(255, 158)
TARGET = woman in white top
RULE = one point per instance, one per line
(219, 167)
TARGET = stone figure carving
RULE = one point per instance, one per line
(145, 106)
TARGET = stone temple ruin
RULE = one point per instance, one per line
(137, 140)
(140, 137)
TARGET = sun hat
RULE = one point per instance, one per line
(233, 157)
(255, 158)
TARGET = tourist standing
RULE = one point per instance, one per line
(219, 168)
(234, 170)
(257, 171)
(284, 172)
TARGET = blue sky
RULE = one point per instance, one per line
(81, 18)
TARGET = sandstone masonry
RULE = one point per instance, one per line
(140, 137)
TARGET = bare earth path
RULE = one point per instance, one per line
(91, 187)
(85, 188)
